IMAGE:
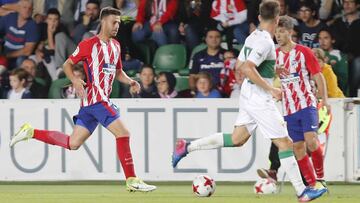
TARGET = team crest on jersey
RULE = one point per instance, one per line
(109, 68)
(76, 51)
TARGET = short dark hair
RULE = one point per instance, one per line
(286, 22)
(308, 4)
(212, 29)
(147, 66)
(109, 11)
(53, 11)
(21, 74)
(327, 29)
(93, 2)
(269, 9)
(171, 80)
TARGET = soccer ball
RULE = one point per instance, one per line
(265, 186)
(203, 186)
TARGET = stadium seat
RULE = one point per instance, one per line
(184, 72)
(182, 83)
(146, 51)
(131, 73)
(170, 58)
(56, 88)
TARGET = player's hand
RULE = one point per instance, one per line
(157, 27)
(137, 26)
(134, 87)
(79, 87)
(276, 93)
(327, 105)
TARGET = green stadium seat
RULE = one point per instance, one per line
(146, 51)
(171, 58)
(131, 73)
(184, 72)
(182, 83)
(56, 88)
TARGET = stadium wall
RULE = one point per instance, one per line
(154, 126)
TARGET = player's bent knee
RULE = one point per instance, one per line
(299, 146)
(283, 143)
(240, 138)
(312, 146)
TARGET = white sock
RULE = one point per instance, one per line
(213, 141)
(293, 172)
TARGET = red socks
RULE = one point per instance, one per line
(52, 137)
(318, 162)
(62, 140)
(125, 157)
(307, 170)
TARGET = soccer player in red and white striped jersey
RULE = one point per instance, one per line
(102, 64)
(296, 64)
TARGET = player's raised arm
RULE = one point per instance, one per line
(77, 82)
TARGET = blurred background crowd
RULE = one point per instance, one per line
(174, 48)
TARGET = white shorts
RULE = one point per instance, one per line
(258, 109)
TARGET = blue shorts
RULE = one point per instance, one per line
(90, 116)
(305, 120)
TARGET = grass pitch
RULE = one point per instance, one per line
(173, 192)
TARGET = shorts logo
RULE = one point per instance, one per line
(76, 51)
(314, 126)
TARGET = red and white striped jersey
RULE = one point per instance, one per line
(101, 61)
(301, 63)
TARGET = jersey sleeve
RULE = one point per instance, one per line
(241, 56)
(119, 64)
(311, 62)
(79, 53)
(259, 52)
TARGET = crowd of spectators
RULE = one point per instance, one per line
(37, 36)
